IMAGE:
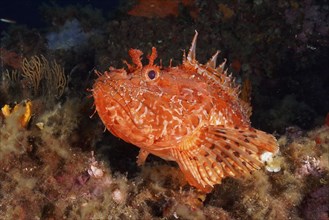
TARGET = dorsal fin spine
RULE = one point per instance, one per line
(191, 52)
(212, 62)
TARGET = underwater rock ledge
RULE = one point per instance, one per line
(44, 175)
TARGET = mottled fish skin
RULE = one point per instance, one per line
(190, 114)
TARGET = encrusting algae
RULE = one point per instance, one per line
(191, 114)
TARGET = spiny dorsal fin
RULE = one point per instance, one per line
(191, 52)
(212, 62)
(221, 67)
(184, 56)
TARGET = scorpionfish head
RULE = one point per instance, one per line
(148, 105)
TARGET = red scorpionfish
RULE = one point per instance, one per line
(190, 114)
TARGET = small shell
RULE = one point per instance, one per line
(40, 125)
(273, 163)
(95, 172)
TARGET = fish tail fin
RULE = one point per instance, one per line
(221, 151)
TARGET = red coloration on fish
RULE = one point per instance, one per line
(190, 114)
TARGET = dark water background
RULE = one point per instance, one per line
(27, 12)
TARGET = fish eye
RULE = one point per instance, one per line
(151, 74)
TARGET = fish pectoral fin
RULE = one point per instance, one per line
(223, 152)
(239, 150)
(141, 158)
(193, 170)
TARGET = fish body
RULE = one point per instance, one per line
(191, 114)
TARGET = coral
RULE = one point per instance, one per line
(37, 70)
(36, 77)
